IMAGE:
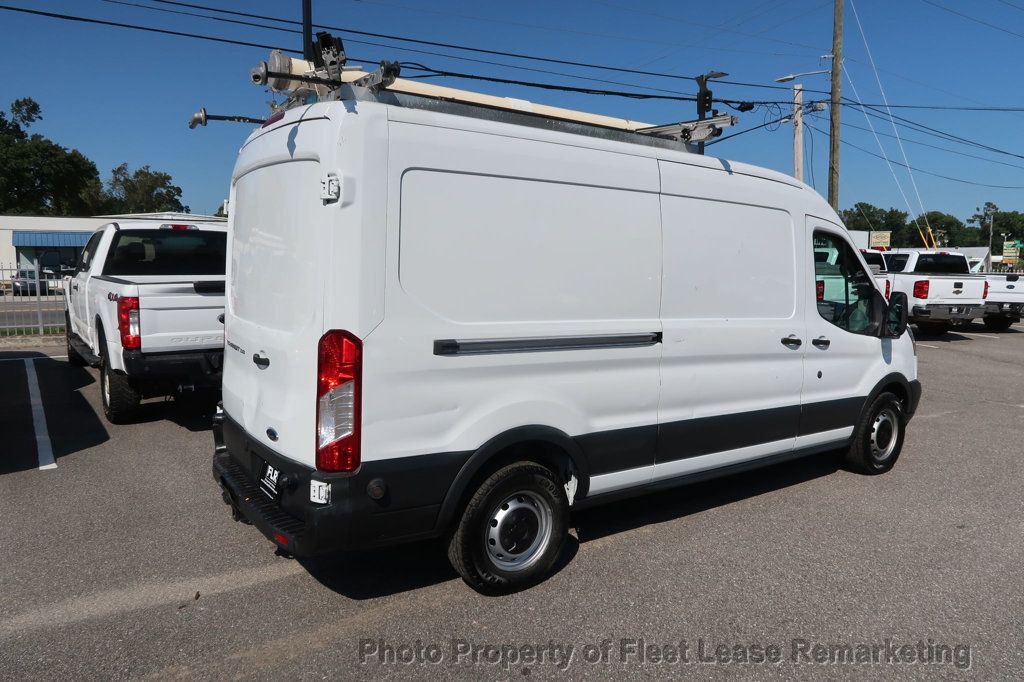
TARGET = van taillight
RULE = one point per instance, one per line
(888, 288)
(338, 396)
(819, 290)
(921, 289)
(985, 295)
(128, 322)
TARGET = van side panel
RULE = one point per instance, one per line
(732, 292)
(506, 250)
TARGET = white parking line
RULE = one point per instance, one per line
(926, 345)
(979, 336)
(44, 448)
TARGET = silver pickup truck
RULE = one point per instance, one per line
(146, 306)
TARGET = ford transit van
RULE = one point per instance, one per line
(448, 321)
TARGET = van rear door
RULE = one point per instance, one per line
(274, 316)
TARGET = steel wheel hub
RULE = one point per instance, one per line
(885, 433)
(518, 531)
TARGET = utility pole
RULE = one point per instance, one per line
(837, 80)
(703, 104)
(991, 220)
(798, 132)
(307, 30)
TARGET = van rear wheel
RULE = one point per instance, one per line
(878, 438)
(512, 530)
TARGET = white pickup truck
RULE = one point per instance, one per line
(1005, 301)
(146, 306)
(940, 287)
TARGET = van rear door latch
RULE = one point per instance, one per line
(330, 188)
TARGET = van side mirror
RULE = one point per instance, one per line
(896, 316)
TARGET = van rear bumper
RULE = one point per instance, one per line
(415, 488)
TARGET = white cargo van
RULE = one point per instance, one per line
(448, 321)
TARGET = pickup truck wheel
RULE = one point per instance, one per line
(878, 437)
(120, 399)
(997, 323)
(74, 358)
(512, 530)
(933, 328)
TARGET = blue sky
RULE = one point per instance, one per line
(120, 95)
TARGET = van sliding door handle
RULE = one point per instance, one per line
(821, 342)
(791, 341)
(261, 361)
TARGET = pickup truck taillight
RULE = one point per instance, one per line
(985, 295)
(338, 396)
(819, 290)
(128, 322)
(921, 288)
(888, 289)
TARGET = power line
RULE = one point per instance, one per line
(748, 130)
(920, 170)
(530, 57)
(973, 19)
(937, 147)
(392, 47)
(150, 29)
(903, 151)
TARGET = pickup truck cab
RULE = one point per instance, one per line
(145, 305)
(941, 289)
(876, 262)
(1005, 300)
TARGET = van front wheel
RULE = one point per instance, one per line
(878, 438)
(512, 530)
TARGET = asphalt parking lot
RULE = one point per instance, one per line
(121, 560)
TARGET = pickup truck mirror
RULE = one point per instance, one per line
(896, 316)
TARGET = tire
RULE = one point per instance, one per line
(933, 328)
(522, 504)
(74, 359)
(120, 399)
(878, 437)
(997, 323)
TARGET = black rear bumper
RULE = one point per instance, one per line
(201, 369)
(415, 488)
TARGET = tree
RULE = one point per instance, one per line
(39, 176)
(142, 191)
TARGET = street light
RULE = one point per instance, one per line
(798, 120)
(794, 76)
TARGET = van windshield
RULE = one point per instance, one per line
(941, 264)
(167, 252)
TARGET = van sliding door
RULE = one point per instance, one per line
(734, 337)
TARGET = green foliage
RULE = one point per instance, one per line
(143, 191)
(40, 177)
(949, 230)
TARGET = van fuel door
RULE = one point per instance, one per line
(330, 188)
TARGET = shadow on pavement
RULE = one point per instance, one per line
(72, 424)
(382, 572)
(194, 413)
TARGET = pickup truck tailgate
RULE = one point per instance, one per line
(1005, 288)
(181, 316)
(954, 289)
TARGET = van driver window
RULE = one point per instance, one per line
(843, 288)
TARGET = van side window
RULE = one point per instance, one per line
(844, 290)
